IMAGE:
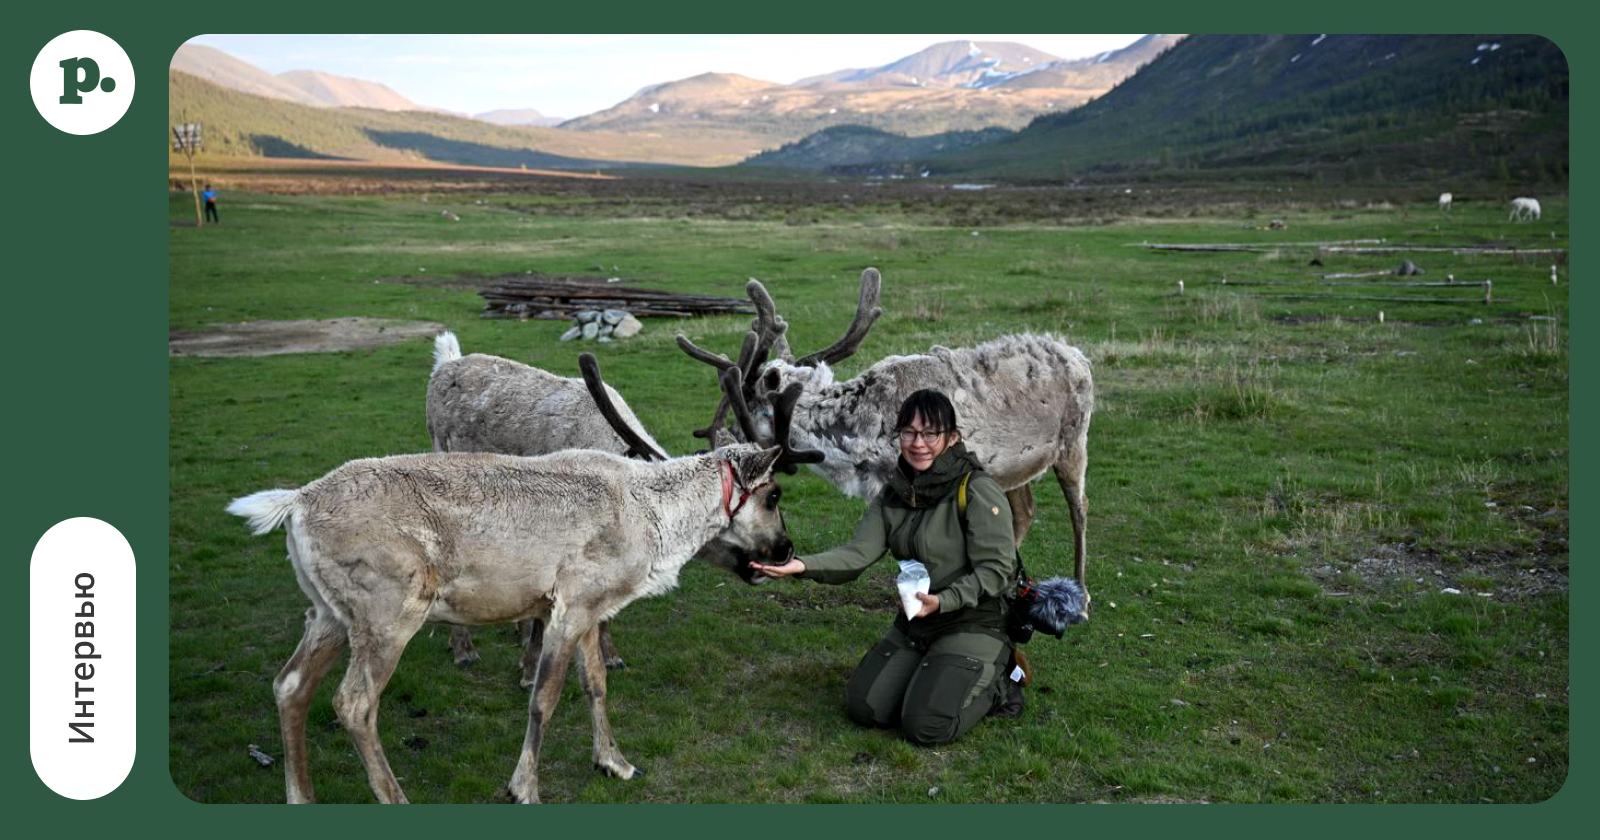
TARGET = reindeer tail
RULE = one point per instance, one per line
(265, 510)
(445, 349)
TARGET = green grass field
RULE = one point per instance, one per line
(1280, 489)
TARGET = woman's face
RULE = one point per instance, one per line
(921, 444)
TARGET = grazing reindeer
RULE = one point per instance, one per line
(382, 545)
(1524, 208)
(1025, 402)
(482, 403)
(1444, 201)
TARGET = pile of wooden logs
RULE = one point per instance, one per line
(551, 298)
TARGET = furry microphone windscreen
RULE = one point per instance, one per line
(1060, 603)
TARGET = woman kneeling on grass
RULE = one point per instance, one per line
(937, 674)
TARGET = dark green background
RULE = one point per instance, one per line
(85, 384)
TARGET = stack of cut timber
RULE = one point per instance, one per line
(559, 299)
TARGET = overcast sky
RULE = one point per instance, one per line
(573, 75)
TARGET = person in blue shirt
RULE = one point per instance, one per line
(210, 195)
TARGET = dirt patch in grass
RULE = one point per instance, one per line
(271, 338)
(1501, 576)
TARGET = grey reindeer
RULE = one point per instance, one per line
(1024, 401)
(483, 403)
(382, 546)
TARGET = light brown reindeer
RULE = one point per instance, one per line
(1025, 402)
(383, 545)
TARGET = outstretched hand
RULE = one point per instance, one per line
(930, 604)
(792, 566)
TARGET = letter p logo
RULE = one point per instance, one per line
(72, 85)
(82, 82)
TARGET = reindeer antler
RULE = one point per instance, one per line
(766, 331)
(782, 415)
(716, 360)
(867, 312)
(721, 363)
(768, 323)
(637, 447)
(733, 396)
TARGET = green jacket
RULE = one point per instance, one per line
(917, 518)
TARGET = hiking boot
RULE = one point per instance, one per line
(1010, 705)
(1011, 701)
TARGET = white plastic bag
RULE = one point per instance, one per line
(913, 579)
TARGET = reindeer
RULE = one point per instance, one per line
(1524, 208)
(383, 545)
(1024, 401)
(482, 403)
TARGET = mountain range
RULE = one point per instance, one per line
(304, 87)
(956, 85)
(1343, 107)
(517, 116)
(950, 86)
(1347, 107)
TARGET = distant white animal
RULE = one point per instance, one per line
(1444, 201)
(1524, 208)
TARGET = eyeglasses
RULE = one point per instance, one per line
(929, 436)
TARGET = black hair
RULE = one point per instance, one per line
(935, 408)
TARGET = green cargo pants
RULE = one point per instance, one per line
(935, 692)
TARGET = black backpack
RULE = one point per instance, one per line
(1019, 625)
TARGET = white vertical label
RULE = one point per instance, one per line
(81, 660)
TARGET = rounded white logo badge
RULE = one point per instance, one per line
(82, 82)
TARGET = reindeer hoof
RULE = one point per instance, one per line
(615, 664)
(524, 798)
(467, 660)
(609, 771)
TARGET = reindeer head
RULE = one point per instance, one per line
(764, 386)
(755, 528)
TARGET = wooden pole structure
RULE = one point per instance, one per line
(185, 137)
(194, 187)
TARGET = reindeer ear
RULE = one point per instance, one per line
(756, 467)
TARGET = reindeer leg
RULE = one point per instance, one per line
(592, 672)
(532, 633)
(373, 656)
(294, 687)
(549, 675)
(461, 646)
(1070, 475)
(1022, 510)
(608, 649)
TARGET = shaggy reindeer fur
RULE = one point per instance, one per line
(481, 403)
(380, 546)
(1023, 402)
